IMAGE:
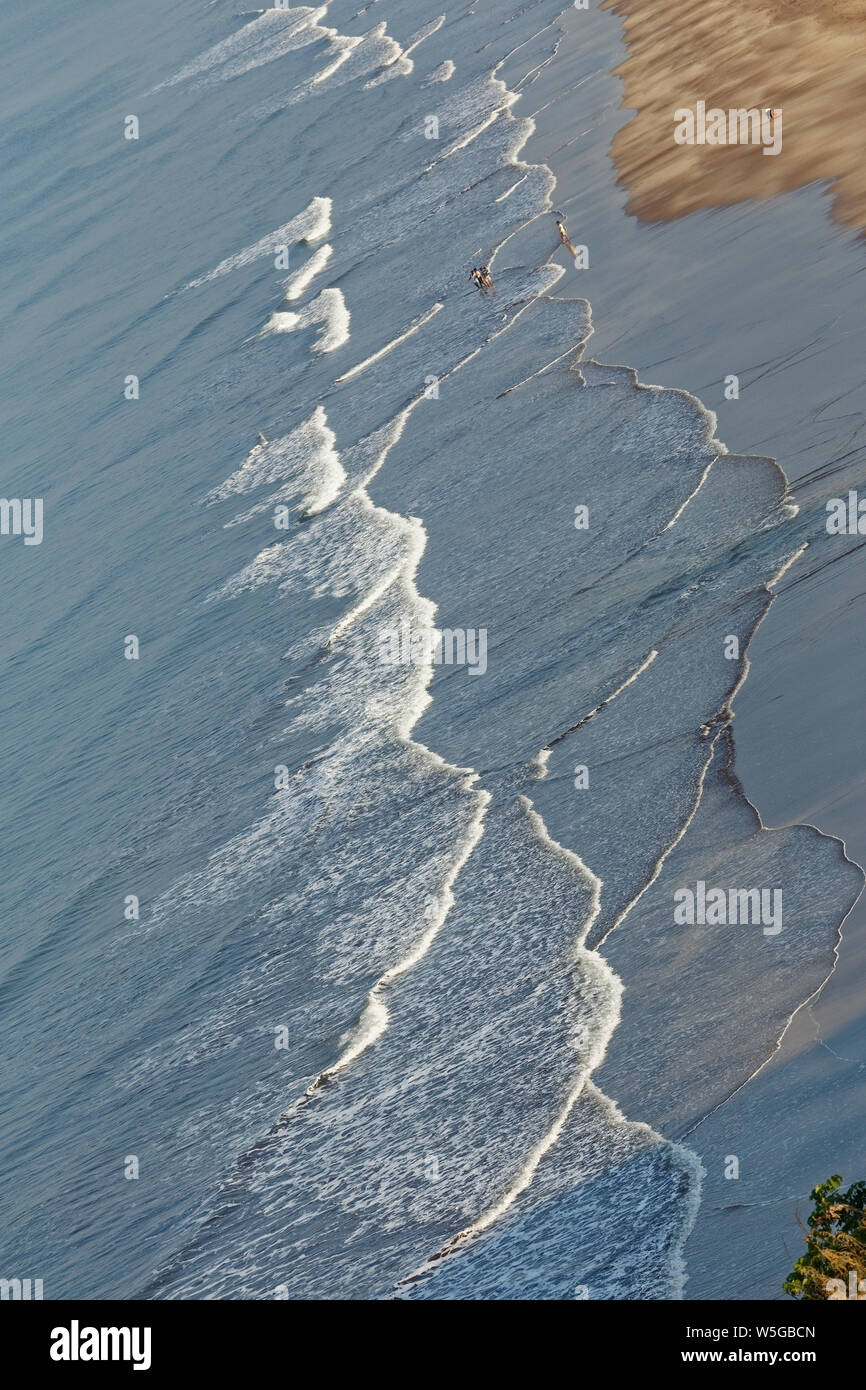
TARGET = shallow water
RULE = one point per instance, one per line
(357, 1014)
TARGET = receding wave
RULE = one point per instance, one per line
(470, 916)
(310, 225)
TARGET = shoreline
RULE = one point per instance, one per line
(627, 324)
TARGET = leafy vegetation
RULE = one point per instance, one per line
(835, 1245)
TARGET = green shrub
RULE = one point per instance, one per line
(835, 1244)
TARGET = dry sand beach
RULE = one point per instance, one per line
(808, 60)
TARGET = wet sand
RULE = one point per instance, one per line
(809, 60)
(770, 290)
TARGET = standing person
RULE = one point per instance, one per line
(480, 277)
(564, 238)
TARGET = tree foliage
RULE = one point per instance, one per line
(835, 1244)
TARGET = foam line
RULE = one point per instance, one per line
(389, 347)
(310, 225)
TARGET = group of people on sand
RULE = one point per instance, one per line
(480, 275)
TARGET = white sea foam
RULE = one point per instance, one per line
(349, 58)
(443, 73)
(311, 224)
(403, 65)
(602, 1238)
(328, 308)
(363, 460)
(381, 552)
(275, 459)
(373, 549)
(506, 1014)
(389, 347)
(424, 33)
(470, 111)
(375, 1017)
(299, 281)
(305, 462)
(272, 34)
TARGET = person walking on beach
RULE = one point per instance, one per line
(564, 238)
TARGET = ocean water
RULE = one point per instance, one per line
(383, 940)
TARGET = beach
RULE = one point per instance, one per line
(806, 61)
(768, 290)
(476, 628)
